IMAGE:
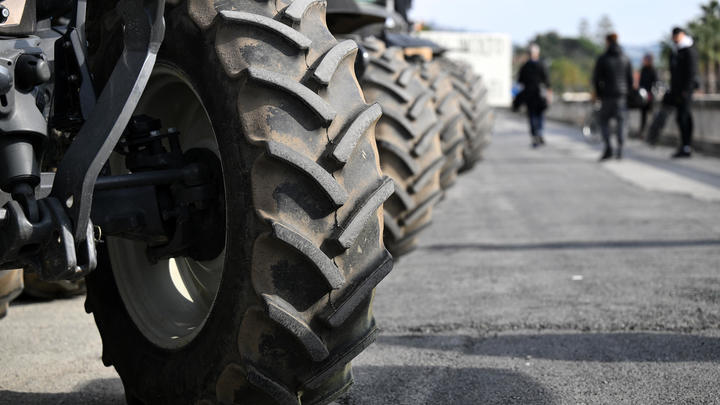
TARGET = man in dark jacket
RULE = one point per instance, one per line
(683, 82)
(533, 76)
(612, 79)
(648, 80)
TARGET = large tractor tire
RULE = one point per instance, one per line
(11, 285)
(478, 114)
(409, 143)
(278, 315)
(447, 106)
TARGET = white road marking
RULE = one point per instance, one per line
(642, 175)
(654, 179)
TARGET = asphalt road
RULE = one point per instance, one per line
(546, 278)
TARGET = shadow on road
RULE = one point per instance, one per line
(419, 385)
(104, 391)
(600, 347)
(574, 245)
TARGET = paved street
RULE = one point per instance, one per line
(546, 278)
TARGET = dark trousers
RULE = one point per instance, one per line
(684, 119)
(613, 108)
(644, 113)
(537, 122)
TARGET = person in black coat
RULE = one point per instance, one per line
(648, 80)
(683, 82)
(534, 78)
(613, 80)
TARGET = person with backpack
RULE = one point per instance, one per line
(683, 83)
(612, 80)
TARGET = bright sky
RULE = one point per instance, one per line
(638, 22)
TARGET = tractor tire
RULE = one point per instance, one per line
(449, 112)
(408, 136)
(478, 115)
(303, 195)
(11, 285)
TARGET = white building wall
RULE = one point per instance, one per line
(489, 54)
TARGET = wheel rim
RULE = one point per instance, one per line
(169, 301)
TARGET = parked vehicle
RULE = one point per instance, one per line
(212, 173)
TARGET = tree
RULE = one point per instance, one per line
(705, 30)
(570, 60)
(605, 27)
(584, 29)
(567, 75)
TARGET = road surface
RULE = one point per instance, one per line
(546, 278)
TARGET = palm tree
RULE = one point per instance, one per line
(705, 31)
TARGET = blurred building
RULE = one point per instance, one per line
(489, 54)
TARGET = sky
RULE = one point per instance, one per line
(638, 22)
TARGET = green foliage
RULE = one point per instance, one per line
(570, 60)
(567, 75)
(706, 33)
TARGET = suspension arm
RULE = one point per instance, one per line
(78, 171)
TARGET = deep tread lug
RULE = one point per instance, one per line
(289, 318)
(374, 44)
(316, 103)
(394, 89)
(427, 175)
(443, 105)
(436, 81)
(402, 121)
(404, 197)
(426, 140)
(414, 234)
(349, 300)
(352, 229)
(422, 208)
(392, 226)
(277, 391)
(322, 178)
(456, 143)
(344, 148)
(324, 264)
(401, 154)
(389, 54)
(467, 109)
(291, 35)
(297, 9)
(449, 133)
(338, 361)
(449, 171)
(419, 105)
(406, 76)
(332, 59)
(390, 67)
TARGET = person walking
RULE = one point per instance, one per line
(648, 80)
(683, 82)
(612, 79)
(534, 78)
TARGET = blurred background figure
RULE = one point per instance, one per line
(648, 81)
(613, 80)
(536, 83)
(683, 83)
